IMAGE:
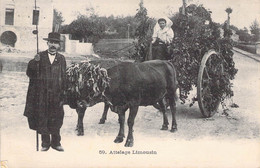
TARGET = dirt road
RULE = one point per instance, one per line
(220, 141)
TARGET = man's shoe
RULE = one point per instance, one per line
(44, 149)
(58, 148)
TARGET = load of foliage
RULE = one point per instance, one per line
(195, 34)
(87, 78)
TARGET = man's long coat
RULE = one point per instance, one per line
(45, 93)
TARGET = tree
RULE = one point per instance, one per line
(243, 35)
(143, 33)
(182, 9)
(120, 24)
(233, 27)
(86, 28)
(245, 29)
(229, 11)
(184, 5)
(227, 31)
(255, 30)
(57, 20)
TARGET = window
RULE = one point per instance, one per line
(9, 16)
(36, 14)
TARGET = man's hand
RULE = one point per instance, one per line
(37, 57)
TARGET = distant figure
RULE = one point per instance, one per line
(44, 103)
(162, 38)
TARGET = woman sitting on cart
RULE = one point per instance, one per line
(162, 38)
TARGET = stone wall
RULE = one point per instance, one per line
(75, 47)
(257, 45)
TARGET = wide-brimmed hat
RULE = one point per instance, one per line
(53, 36)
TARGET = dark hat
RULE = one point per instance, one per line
(53, 36)
(161, 19)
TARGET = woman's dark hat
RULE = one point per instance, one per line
(53, 36)
(161, 19)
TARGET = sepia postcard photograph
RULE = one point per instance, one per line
(130, 83)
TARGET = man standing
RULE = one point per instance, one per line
(44, 103)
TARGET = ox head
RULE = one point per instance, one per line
(86, 84)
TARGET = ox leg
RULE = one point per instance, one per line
(104, 115)
(130, 122)
(121, 134)
(165, 119)
(80, 127)
(173, 111)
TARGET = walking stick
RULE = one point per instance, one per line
(36, 32)
(37, 141)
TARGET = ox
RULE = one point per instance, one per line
(133, 85)
(159, 51)
(104, 63)
(71, 100)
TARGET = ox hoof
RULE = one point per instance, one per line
(119, 139)
(173, 130)
(164, 127)
(102, 121)
(129, 143)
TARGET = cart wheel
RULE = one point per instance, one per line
(211, 69)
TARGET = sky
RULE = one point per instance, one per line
(244, 11)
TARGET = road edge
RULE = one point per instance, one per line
(249, 55)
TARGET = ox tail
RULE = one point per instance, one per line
(173, 82)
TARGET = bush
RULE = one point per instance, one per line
(248, 48)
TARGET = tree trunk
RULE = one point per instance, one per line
(228, 21)
(184, 6)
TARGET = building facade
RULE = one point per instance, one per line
(18, 20)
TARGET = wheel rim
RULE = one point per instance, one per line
(208, 83)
